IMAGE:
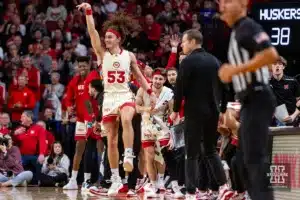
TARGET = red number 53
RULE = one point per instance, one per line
(115, 76)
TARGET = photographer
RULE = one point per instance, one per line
(11, 169)
(55, 170)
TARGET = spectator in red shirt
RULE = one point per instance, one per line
(31, 139)
(4, 124)
(33, 75)
(152, 29)
(20, 99)
(185, 14)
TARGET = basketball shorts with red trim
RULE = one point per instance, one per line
(81, 132)
(152, 133)
(114, 102)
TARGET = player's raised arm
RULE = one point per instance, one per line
(94, 35)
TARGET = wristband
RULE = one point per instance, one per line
(149, 91)
(89, 11)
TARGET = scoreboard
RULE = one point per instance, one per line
(281, 20)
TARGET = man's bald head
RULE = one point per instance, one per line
(232, 10)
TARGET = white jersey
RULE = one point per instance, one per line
(116, 72)
(165, 96)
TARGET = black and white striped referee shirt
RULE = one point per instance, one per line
(247, 38)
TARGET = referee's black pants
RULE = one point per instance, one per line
(200, 148)
(256, 115)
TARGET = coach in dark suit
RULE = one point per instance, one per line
(198, 84)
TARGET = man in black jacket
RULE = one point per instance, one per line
(198, 84)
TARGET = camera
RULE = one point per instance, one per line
(50, 161)
(3, 141)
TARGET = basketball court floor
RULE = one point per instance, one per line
(36, 193)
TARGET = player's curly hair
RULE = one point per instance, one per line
(122, 23)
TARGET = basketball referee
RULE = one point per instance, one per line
(199, 85)
(250, 53)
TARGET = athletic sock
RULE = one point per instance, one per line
(74, 175)
(87, 176)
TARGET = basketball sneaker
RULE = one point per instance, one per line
(131, 193)
(177, 194)
(128, 162)
(72, 185)
(140, 183)
(101, 191)
(161, 184)
(225, 193)
(241, 196)
(152, 191)
(86, 186)
(116, 185)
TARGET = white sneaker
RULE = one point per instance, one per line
(177, 193)
(116, 185)
(72, 185)
(161, 184)
(147, 187)
(131, 193)
(128, 162)
(152, 192)
(141, 183)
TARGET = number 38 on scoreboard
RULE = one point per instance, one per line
(281, 20)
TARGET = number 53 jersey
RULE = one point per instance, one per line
(116, 70)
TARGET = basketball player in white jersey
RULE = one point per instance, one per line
(118, 103)
(154, 128)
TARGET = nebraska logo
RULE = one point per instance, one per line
(279, 176)
(116, 64)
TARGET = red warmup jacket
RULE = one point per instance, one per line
(32, 141)
(172, 60)
(2, 95)
(34, 80)
(23, 96)
(75, 96)
(153, 32)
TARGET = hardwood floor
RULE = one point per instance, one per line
(36, 193)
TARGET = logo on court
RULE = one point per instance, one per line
(279, 176)
(116, 64)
